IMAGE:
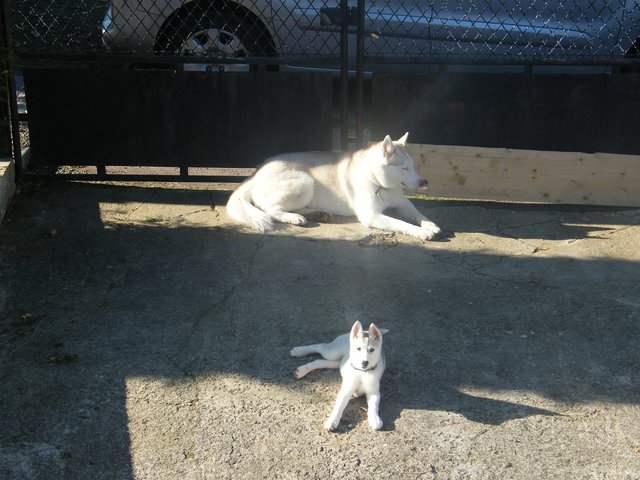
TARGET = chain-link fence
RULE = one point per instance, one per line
(502, 31)
(57, 27)
(220, 30)
(394, 31)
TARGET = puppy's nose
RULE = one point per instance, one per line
(365, 364)
(423, 182)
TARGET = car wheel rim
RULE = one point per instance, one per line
(218, 43)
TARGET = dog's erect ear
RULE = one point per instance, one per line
(387, 146)
(356, 330)
(374, 332)
(403, 141)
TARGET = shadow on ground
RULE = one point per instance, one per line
(102, 285)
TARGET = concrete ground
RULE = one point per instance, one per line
(143, 335)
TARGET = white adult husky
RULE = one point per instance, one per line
(359, 357)
(364, 184)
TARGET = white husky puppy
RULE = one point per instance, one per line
(364, 184)
(359, 357)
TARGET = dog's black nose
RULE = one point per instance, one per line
(423, 182)
(365, 364)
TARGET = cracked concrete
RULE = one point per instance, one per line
(143, 335)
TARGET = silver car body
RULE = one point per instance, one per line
(478, 29)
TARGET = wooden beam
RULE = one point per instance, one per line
(504, 174)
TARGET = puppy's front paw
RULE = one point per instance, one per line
(331, 425)
(375, 422)
(297, 352)
(299, 373)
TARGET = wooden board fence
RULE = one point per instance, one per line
(503, 174)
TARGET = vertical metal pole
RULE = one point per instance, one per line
(344, 76)
(9, 84)
(5, 116)
(360, 76)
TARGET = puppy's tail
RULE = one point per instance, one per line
(240, 208)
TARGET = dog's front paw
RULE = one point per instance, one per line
(429, 230)
(294, 219)
(425, 236)
(331, 425)
(375, 422)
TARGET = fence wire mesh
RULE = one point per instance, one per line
(502, 30)
(395, 31)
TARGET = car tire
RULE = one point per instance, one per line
(224, 31)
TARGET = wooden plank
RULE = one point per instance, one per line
(503, 174)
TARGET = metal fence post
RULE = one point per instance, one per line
(344, 76)
(360, 75)
(5, 132)
(9, 123)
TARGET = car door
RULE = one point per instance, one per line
(397, 30)
(506, 29)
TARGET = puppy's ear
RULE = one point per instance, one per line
(374, 332)
(387, 146)
(356, 330)
(403, 141)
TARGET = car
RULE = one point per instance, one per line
(303, 32)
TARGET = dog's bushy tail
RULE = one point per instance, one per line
(240, 208)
